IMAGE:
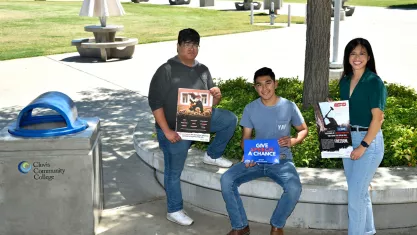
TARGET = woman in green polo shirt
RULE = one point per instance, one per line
(367, 96)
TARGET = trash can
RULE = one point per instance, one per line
(50, 171)
(277, 4)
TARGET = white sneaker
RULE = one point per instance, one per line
(221, 162)
(180, 217)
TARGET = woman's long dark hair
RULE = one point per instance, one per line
(347, 68)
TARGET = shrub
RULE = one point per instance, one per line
(399, 127)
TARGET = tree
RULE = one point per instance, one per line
(316, 67)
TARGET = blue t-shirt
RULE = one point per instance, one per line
(272, 122)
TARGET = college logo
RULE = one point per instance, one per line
(24, 167)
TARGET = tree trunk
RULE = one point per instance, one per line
(319, 118)
(316, 67)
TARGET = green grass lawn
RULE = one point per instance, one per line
(35, 28)
(376, 3)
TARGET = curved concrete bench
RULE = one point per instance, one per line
(179, 2)
(124, 42)
(323, 202)
(242, 6)
(88, 47)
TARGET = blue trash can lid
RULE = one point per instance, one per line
(60, 103)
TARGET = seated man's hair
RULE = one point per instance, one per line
(188, 35)
(264, 72)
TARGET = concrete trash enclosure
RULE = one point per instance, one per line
(51, 170)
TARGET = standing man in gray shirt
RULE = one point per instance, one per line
(271, 117)
(183, 71)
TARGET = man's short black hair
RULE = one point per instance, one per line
(264, 72)
(188, 35)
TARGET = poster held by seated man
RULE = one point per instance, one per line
(261, 151)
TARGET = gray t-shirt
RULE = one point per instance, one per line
(272, 122)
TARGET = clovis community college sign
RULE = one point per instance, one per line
(41, 170)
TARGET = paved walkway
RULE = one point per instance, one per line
(281, 49)
(116, 92)
(389, 31)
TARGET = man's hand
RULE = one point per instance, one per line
(357, 152)
(215, 92)
(251, 164)
(172, 136)
(285, 141)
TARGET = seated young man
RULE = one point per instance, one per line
(271, 116)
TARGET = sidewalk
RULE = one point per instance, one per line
(234, 55)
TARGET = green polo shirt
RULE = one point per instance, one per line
(369, 93)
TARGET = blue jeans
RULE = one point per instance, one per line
(223, 122)
(359, 174)
(283, 174)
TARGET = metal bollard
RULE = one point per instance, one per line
(251, 13)
(272, 14)
(289, 15)
(337, 6)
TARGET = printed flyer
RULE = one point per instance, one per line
(194, 109)
(334, 130)
(261, 151)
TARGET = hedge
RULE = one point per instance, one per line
(399, 127)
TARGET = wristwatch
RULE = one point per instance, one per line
(364, 144)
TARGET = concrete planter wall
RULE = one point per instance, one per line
(323, 202)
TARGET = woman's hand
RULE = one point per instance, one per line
(357, 152)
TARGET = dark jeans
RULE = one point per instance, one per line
(283, 174)
(223, 123)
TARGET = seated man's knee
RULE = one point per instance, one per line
(226, 182)
(232, 118)
(294, 188)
